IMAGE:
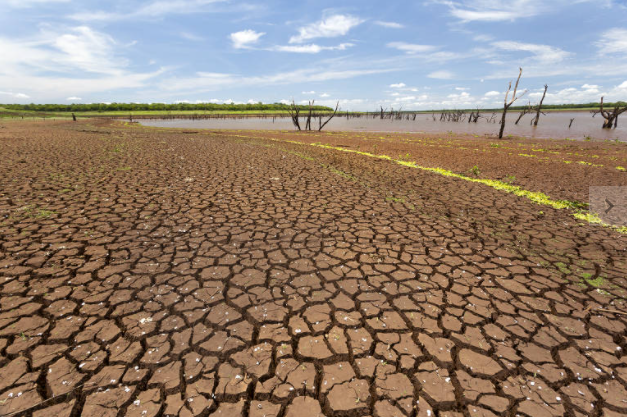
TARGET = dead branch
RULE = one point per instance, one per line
(610, 117)
(535, 123)
(337, 107)
(509, 103)
(524, 111)
(294, 114)
(308, 123)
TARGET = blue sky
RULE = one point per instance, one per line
(409, 54)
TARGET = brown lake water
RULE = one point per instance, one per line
(552, 126)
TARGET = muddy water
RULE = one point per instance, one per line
(553, 125)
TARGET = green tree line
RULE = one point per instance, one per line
(130, 107)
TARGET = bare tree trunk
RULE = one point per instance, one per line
(294, 113)
(571, 123)
(308, 124)
(535, 123)
(507, 104)
(337, 107)
(503, 123)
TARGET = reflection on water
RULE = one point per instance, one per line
(553, 125)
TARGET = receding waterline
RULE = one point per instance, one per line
(552, 126)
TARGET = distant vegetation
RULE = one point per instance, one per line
(160, 107)
(574, 106)
(584, 106)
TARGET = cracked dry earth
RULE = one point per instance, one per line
(145, 272)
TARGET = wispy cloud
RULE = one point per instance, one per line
(544, 54)
(14, 95)
(391, 25)
(191, 37)
(245, 38)
(398, 85)
(411, 48)
(329, 27)
(151, 9)
(74, 49)
(495, 10)
(310, 49)
(204, 81)
(442, 75)
(75, 61)
(613, 41)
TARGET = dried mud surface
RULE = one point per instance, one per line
(151, 272)
(563, 169)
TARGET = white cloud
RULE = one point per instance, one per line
(441, 75)
(398, 85)
(411, 48)
(310, 49)
(495, 10)
(492, 94)
(15, 95)
(329, 27)
(391, 25)
(582, 95)
(613, 41)
(504, 10)
(79, 49)
(54, 64)
(152, 9)
(245, 38)
(329, 95)
(73, 98)
(308, 92)
(544, 54)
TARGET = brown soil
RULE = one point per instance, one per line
(563, 169)
(152, 272)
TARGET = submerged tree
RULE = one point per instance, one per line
(508, 104)
(610, 117)
(526, 110)
(294, 114)
(535, 122)
(322, 125)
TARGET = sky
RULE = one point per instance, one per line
(414, 55)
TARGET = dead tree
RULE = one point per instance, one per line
(524, 111)
(508, 104)
(337, 107)
(294, 114)
(308, 123)
(474, 117)
(535, 122)
(571, 122)
(610, 117)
